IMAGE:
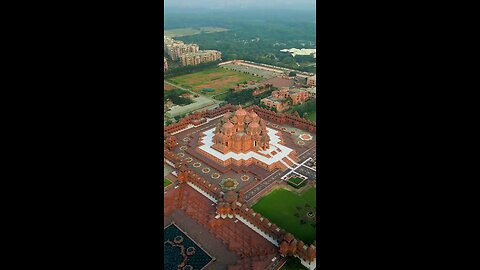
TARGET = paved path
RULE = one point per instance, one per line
(275, 176)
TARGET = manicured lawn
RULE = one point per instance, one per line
(216, 78)
(166, 182)
(312, 116)
(287, 210)
(293, 264)
(296, 180)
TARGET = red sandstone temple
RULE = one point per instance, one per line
(241, 132)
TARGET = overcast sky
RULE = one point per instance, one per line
(228, 4)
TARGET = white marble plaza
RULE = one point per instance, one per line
(281, 150)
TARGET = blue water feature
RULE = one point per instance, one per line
(172, 254)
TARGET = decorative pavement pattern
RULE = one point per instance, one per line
(181, 253)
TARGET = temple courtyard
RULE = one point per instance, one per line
(269, 166)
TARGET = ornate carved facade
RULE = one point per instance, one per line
(241, 132)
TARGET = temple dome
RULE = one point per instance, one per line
(241, 112)
(228, 124)
(254, 125)
(237, 137)
(242, 131)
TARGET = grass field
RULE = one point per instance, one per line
(166, 182)
(312, 116)
(293, 264)
(181, 32)
(216, 78)
(296, 182)
(286, 209)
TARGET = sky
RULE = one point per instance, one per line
(245, 4)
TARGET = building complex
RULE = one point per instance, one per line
(188, 54)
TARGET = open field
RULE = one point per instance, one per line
(181, 32)
(286, 209)
(216, 78)
(293, 264)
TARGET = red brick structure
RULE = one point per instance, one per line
(284, 118)
(196, 117)
(255, 255)
(170, 141)
(241, 132)
(279, 118)
(279, 98)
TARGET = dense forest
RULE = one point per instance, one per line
(253, 36)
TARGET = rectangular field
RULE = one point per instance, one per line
(218, 79)
(291, 212)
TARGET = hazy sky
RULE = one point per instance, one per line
(228, 4)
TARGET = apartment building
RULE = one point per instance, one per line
(195, 58)
(189, 54)
(312, 81)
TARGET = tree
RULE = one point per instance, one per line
(292, 74)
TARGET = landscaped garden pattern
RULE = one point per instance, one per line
(287, 209)
(216, 78)
(166, 182)
(172, 252)
(296, 182)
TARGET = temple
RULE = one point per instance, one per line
(241, 132)
(242, 138)
(224, 161)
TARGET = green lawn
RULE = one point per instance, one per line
(216, 78)
(309, 107)
(287, 209)
(296, 180)
(312, 116)
(293, 264)
(166, 182)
